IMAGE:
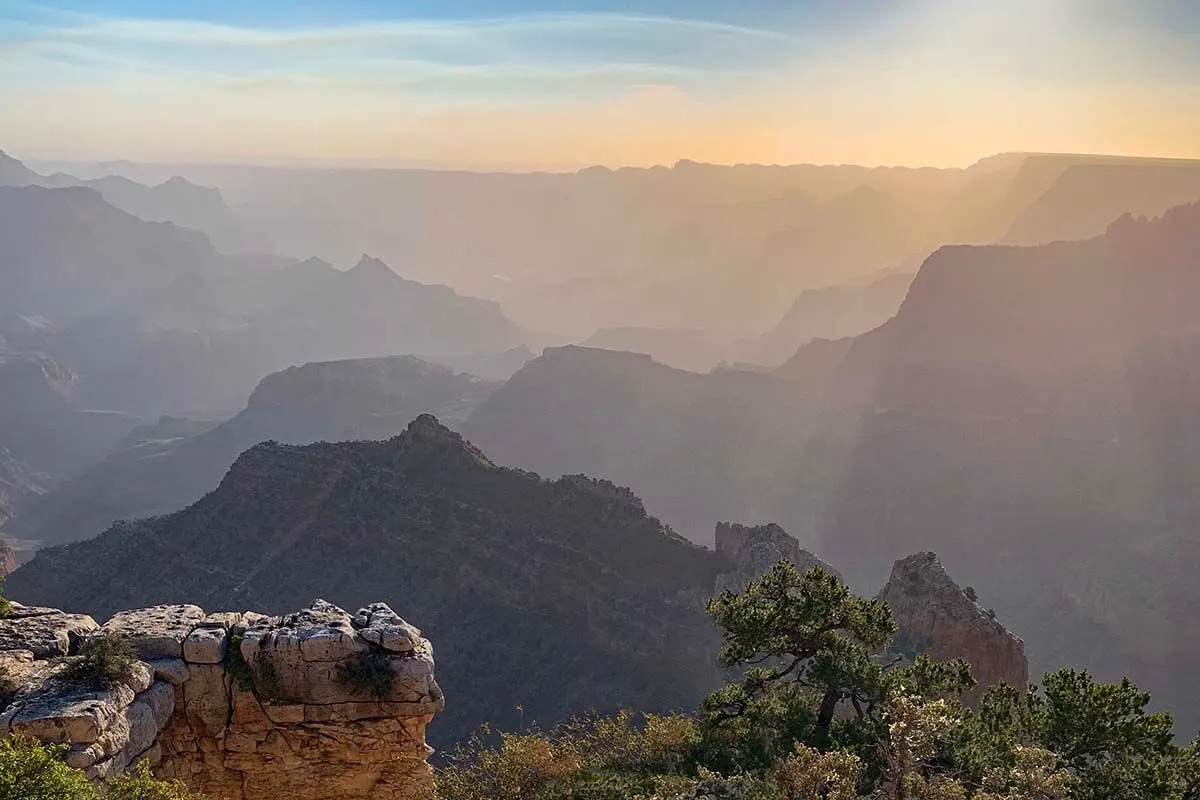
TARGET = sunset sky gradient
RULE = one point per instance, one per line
(521, 85)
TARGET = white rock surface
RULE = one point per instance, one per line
(45, 632)
(156, 632)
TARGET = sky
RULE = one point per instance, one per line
(522, 84)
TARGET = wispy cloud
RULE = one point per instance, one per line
(543, 38)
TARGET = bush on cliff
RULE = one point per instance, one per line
(369, 674)
(30, 770)
(140, 784)
(103, 662)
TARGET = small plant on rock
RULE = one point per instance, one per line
(103, 662)
(140, 784)
(368, 673)
(8, 688)
(5, 604)
(235, 663)
(268, 677)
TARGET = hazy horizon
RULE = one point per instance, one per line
(349, 163)
(515, 85)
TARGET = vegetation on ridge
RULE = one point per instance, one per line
(818, 714)
(103, 662)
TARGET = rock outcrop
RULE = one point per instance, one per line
(8, 556)
(755, 550)
(312, 705)
(938, 618)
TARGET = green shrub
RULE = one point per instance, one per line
(268, 677)
(141, 785)
(235, 663)
(31, 771)
(5, 605)
(369, 673)
(260, 677)
(103, 662)
(625, 757)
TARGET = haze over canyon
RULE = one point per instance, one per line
(334, 338)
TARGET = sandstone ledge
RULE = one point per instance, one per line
(238, 706)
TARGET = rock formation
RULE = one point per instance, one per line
(8, 559)
(755, 550)
(312, 705)
(938, 618)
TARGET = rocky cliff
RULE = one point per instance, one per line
(308, 706)
(754, 550)
(1032, 414)
(938, 618)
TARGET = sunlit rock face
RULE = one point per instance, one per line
(239, 706)
(938, 618)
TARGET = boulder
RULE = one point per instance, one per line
(172, 670)
(381, 626)
(45, 632)
(68, 714)
(206, 646)
(156, 632)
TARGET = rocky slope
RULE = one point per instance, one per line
(1030, 414)
(16, 485)
(834, 312)
(239, 706)
(697, 448)
(174, 200)
(554, 596)
(161, 469)
(69, 254)
(45, 436)
(1087, 197)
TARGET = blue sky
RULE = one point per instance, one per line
(280, 13)
(516, 83)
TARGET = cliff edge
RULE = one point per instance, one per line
(240, 706)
